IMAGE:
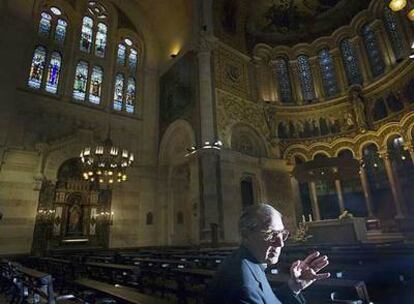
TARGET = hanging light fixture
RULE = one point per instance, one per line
(397, 5)
(410, 14)
(106, 164)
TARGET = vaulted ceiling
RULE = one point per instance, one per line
(292, 21)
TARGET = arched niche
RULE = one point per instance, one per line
(246, 140)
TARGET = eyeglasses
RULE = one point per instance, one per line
(272, 235)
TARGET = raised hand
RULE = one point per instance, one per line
(304, 273)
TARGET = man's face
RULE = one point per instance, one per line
(268, 251)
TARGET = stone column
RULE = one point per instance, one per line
(410, 148)
(364, 65)
(384, 44)
(317, 78)
(394, 184)
(314, 201)
(339, 71)
(210, 209)
(338, 188)
(367, 190)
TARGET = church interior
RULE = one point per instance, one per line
(133, 133)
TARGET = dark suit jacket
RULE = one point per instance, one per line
(241, 280)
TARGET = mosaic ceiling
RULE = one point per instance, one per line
(293, 21)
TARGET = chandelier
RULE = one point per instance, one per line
(105, 164)
(399, 5)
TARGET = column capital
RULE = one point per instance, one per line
(385, 155)
(206, 43)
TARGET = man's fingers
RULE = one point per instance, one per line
(319, 263)
(321, 276)
(311, 257)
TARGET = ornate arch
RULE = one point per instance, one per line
(245, 139)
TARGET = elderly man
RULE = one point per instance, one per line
(241, 278)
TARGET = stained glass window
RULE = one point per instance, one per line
(86, 36)
(326, 63)
(375, 58)
(306, 79)
(53, 73)
(118, 92)
(37, 67)
(100, 41)
(81, 78)
(351, 63)
(132, 59)
(130, 95)
(60, 31)
(44, 24)
(96, 85)
(120, 58)
(394, 33)
(283, 80)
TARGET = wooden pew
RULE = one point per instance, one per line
(118, 292)
(114, 273)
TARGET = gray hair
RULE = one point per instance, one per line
(257, 216)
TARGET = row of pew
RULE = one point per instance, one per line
(371, 274)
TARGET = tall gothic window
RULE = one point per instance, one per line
(394, 33)
(283, 80)
(351, 63)
(81, 79)
(47, 58)
(306, 79)
(94, 30)
(37, 67)
(53, 73)
(86, 35)
(376, 60)
(45, 24)
(326, 63)
(125, 83)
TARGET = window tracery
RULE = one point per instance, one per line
(375, 56)
(47, 56)
(306, 79)
(283, 80)
(328, 73)
(125, 79)
(394, 33)
(351, 62)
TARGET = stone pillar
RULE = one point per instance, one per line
(384, 44)
(339, 71)
(317, 78)
(367, 190)
(314, 201)
(410, 148)
(338, 188)
(364, 65)
(394, 184)
(210, 209)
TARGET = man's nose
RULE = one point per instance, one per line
(278, 241)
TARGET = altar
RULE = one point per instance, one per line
(349, 230)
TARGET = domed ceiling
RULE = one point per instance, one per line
(289, 22)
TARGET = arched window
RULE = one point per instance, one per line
(283, 80)
(52, 31)
(95, 87)
(94, 30)
(45, 24)
(375, 57)
(394, 33)
(86, 35)
(351, 63)
(306, 79)
(327, 67)
(125, 81)
(60, 32)
(53, 72)
(81, 78)
(37, 67)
